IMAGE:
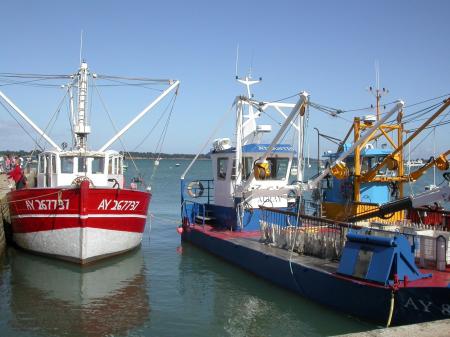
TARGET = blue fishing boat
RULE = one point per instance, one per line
(358, 251)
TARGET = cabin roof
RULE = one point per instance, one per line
(364, 153)
(75, 153)
(259, 148)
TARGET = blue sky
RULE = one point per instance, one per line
(327, 48)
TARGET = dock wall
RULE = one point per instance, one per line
(429, 329)
(4, 188)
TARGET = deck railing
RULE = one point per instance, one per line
(190, 210)
(326, 238)
(202, 190)
(304, 234)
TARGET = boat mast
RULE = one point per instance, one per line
(249, 125)
(81, 126)
(245, 130)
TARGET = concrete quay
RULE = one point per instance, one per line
(4, 188)
(429, 329)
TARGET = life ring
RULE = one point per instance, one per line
(195, 189)
(78, 180)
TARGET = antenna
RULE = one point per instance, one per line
(377, 74)
(377, 91)
(251, 66)
(247, 80)
(81, 44)
(237, 60)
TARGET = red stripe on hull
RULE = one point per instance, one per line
(43, 209)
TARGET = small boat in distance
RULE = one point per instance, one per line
(414, 163)
(80, 210)
(177, 164)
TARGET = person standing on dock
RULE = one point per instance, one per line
(17, 175)
(7, 163)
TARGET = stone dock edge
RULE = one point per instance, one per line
(428, 329)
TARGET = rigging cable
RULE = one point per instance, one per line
(21, 126)
(121, 83)
(154, 127)
(160, 142)
(161, 139)
(114, 126)
(208, 141)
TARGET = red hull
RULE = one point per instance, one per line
(78, 223)
(42, 209)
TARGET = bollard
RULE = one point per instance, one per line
(441, 251)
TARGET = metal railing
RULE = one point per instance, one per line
(199, 189)
(190, 210)
(326, 238)
(302, 233)
(310, 207)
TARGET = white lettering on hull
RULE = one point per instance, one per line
(424, 306)
(47, 204)
(115, 205)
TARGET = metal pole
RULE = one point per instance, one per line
(300, 104)
(369, 133)
(318, 150)
(408, 140)
(29, 121)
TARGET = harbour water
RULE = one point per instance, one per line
(164, 288)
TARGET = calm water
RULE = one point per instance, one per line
(164, 288)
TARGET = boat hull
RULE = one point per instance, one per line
(80, 224)
(370, 301)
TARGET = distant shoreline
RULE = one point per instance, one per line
(127, 155)
(153, 156)
(171, 158)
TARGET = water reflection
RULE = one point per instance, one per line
(56, 298)
(236, 303)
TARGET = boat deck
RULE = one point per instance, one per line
(284, 254)
(250, 240)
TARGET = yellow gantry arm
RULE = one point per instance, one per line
(373, 172)
(440, 161)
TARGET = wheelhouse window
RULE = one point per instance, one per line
(66, 164)
(381, 171)
(247, 167)
(278, 168)
(53, 164)
(98, 165)
(41, 164)
(47, 164)
(110, 160)
(222, 164)
(367, 164)
(82, 164)
(116, 163)
(350, 163)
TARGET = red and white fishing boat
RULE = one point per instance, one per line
(80, 209)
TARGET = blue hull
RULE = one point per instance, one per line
(361, 299)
